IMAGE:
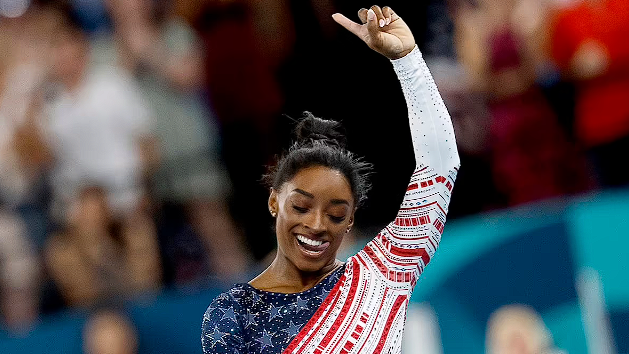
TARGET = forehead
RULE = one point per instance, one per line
(322, 182)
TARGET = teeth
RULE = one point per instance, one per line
(309, 241)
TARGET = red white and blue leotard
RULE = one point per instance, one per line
(360, 308)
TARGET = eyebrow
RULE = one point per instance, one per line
(310, 195)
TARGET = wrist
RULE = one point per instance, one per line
(409, 63)
(402, 54)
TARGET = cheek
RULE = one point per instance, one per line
(338, 232)
(287, 218)
(284, 223)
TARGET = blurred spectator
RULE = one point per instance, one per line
(109, 332)
(589, 44)
(24, 155)
(20, 275)
(165, 55)
(245, 43)
(98, 126)
(531, 157)
(518, 329)
(23, 72)
(97, 261)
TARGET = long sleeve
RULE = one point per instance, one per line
(366, 311)
(405, 246)
(431, 128)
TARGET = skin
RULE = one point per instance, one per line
(382, 30)
(318, 202)
(69, 58)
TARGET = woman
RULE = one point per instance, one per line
(307, 301)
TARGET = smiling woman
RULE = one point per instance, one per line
(315, 189)
(315, 209)
(307, 301)
(315, 212)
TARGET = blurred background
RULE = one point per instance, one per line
(134, 134)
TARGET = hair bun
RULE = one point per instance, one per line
(311, 128)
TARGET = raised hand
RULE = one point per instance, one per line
(382, 29)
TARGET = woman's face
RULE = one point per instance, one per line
(314, 210)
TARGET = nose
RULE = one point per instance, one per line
(315, 221)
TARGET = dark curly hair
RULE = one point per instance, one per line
(321, 142)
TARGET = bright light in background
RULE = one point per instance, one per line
(13, 8)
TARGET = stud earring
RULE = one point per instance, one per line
(348, 230)
(273, 213)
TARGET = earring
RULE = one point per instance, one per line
(348, 230)
(273, 213)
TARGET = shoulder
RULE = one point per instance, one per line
(222, 328)
(228, 305)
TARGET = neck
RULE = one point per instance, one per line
(284, 277)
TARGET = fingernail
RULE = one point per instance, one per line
(371, 15)
(388, 21)
(381, 23)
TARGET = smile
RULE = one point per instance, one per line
(308, 241)
(311, 247)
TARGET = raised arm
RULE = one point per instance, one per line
(403, 248)
(409, 242)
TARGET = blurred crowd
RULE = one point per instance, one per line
(542, 109)
(518, 329)
(133, 133)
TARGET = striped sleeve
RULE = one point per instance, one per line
(405, 246)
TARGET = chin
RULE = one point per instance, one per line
(309, 266)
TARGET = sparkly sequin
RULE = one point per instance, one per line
(361, 309)
(248, 320)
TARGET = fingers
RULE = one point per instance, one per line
(372, 23)
(388, 13)
(374, 17)
(384, 16)
(379, 15)
(362, 15)
(347, 23)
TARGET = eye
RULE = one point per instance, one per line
(299, 209)
(337, 219)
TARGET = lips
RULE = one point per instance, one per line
(311, 247)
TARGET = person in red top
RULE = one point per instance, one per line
(589, 43)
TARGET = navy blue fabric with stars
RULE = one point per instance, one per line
(247, 320)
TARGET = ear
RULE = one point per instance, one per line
(273, 202)
(351, 219)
